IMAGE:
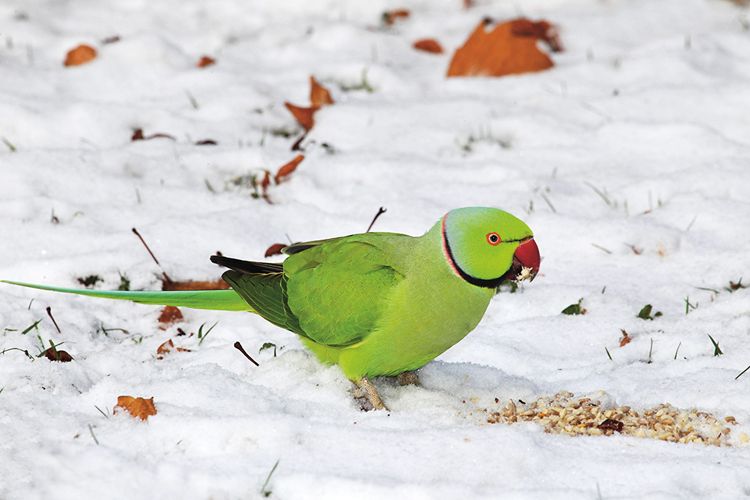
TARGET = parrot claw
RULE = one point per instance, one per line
(408, 378)
(367, 395)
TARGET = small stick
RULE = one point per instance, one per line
(677, 350)
(49, 313)
(239, 347)
(163, 272)
(381, 211)
(742, 373)
(91, 430)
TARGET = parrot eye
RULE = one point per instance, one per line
(493, 239)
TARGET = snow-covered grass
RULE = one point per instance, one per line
(639, 136)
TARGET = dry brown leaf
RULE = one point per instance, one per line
(168, 347)
(138, 136)
(304, 116)
(57, 355)
(429, 45)
(319, 95)
(137, 407)
(509, 48)
(391, 16)
(287, 169)
(205, 61)
(80, 55)
(274, 249)
(176, 286)
(625, 339)
(169, 316)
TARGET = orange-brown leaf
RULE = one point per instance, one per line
(304, 116)
(176, 286)
(169, 316)
(391, 16)
(57, 355)
(168, 347)
(509, 48)
(429, 45)
(137, 407)
(625, 339)
(287, 169)
(319, 95)
(541, 30)
(205, 61)
(80, 55)
(275, 249)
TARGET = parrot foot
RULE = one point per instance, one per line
(408, 378)
(367, 395)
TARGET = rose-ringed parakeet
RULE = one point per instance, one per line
(373, 303)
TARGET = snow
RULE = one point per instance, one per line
(648, 105)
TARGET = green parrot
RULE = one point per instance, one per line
(375, 304)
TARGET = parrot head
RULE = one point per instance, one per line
(486, 246)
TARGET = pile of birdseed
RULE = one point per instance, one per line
(564, 414)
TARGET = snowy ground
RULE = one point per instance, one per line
(649, 105)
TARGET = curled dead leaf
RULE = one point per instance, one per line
(508, 48)
(169, 316)
(176, 286)
(319, 95)
(391, 16)
(168, 347)
(304, 116)
(287, 169)
(137, 407)
(80, 55)
(205, 61)
(138, 136)
(625, 339)
(57, 355)
(429, 45)
(274, 249)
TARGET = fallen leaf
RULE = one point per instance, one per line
(205, 61)
(57, 355)
(319, 95)
(304, 116)
(287, 169)
(265, 183)
(169, 316)
(509, 48)
(176, 286)
(541, 30)
(274, 249)
(429, 45)
(391, 16)
(80, 55)
(138, 136)
(625, 339)
(137, 407)
(168, 347)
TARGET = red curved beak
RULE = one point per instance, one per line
(527, 255)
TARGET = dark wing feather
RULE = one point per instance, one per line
(266, 294)
(246, 266)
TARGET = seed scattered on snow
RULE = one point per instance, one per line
(564, 414)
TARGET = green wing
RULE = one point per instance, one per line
(330, 291)
(266, 294)
(338, 289)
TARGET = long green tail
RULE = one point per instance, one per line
(219, 300)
